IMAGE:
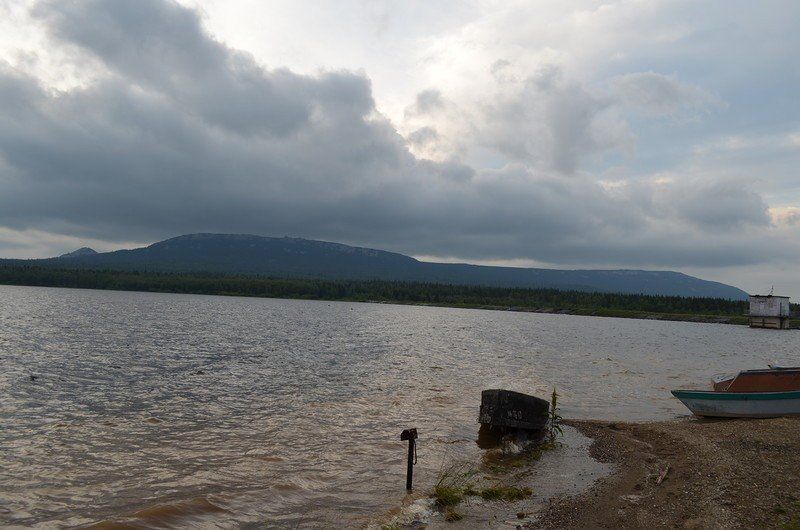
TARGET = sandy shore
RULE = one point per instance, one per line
(719, 474)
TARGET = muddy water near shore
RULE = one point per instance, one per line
(563, 469)
(160, 409)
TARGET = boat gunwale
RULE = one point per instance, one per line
(777, 370)
(739, 396)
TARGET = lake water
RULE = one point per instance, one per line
(232, 412)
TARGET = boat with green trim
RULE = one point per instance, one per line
(710, 403)
(749, 394)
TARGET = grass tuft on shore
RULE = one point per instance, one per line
(447, 496)
(452, 516)
(505, 493)
(454, 483)
(458, 482)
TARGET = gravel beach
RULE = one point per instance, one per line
(688, 473)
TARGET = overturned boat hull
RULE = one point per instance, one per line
(505, 410)
(740, 404)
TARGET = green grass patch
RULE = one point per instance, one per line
(447, 495)
(454, 483)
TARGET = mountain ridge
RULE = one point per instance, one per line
(83, 251)
(248, 254)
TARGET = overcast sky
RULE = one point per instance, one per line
(579, 134)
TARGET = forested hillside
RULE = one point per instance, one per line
(546, 300)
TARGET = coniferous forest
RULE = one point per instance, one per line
(542, 300)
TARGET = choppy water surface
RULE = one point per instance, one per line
(150, 408)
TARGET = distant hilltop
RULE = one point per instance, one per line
(83, 251)
(303, 258)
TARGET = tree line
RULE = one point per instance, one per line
(368, 290)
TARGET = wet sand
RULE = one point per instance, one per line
(720, 474)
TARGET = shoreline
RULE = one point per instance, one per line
(597, 312)
(714, 474)
(683, 473)
(736, 320)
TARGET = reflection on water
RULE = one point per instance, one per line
(149, 408)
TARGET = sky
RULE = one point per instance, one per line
(566, 134)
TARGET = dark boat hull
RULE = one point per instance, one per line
(504, 409)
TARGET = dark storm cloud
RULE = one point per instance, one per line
(161, 46)
(182, 134)
(722, 206)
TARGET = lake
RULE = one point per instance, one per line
(231, 412)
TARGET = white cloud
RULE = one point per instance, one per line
(541, 120)
(32, 243)
(785, 216)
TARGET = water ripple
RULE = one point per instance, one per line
(152, 410)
